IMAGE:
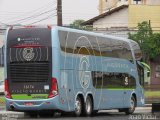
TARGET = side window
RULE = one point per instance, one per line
(137, 50)
(115, 49)
(129, 82)
(113, 80)
(148, 73)
(107, 80)
(132, 82)
(123, 50)
(127, 54)
(140, 74)
(97, 78)
(78, 43)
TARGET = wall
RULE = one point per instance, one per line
(117, 19)
(140, 13)
(103, 5)
(153, 2)
(155, 69)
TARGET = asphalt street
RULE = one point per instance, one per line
(141, 113)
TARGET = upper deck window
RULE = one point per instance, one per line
(77, 43)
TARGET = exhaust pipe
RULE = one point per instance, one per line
(12, 107)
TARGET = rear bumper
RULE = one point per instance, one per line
(44, 104)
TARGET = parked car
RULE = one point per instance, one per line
(1, 87)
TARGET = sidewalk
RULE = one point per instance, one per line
(148, 105)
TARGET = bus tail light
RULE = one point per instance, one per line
(7, 93)
(54, 88)
(49, 26)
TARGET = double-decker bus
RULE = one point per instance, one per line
(63, 69)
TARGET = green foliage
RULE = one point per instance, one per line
(77, 24)
(143, 33)
(149, 42)
(154, 45)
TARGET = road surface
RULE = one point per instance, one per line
(141, 113)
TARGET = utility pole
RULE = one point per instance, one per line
(59, 12)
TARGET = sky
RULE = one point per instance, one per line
(44, 11)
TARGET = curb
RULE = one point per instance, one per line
(148, 105)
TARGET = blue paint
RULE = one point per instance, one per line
(66, 69)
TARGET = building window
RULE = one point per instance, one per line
(158, 71)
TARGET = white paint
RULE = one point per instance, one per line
(46, 87)
(116, 19)
(28, 54)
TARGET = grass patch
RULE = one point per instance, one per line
(150, 94)
(2, 101)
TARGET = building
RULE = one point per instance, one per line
(116, 17)
(105, 5)
(128, 15)
(155, 71)
(119, 17)
(2, 37)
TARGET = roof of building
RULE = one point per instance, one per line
(109, 12)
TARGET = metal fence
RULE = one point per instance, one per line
(119, 32)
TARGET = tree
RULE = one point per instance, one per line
(149, 42)
(154, 45)
(78, 24)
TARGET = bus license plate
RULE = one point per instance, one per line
(28, 104)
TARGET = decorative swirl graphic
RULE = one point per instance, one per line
(28, 54)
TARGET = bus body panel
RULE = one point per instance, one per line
(71, 62)
(43, 104)
(77, 74)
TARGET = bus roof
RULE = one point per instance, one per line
(92, 33)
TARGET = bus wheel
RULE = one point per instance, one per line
(132, 106)
(88, 106)
(78, 106)
(94, 112)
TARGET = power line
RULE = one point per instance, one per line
(38, 10)
(33, 16)
(44, 6)
(48, 17)
(3, 23)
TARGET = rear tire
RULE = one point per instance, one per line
(132, 107)
(88, 109)
(78, 107)
(94, 112)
